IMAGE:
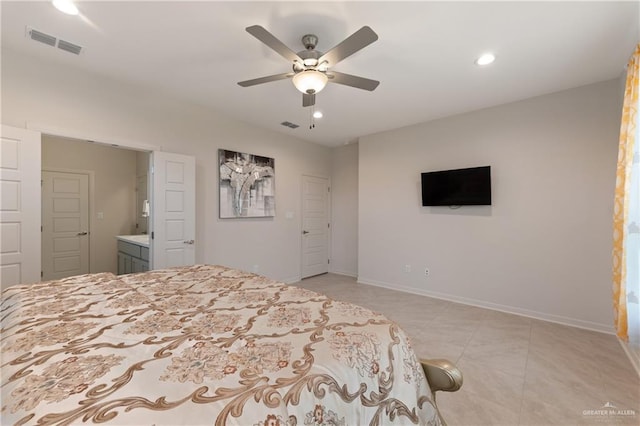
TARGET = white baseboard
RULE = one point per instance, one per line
(633, 356)
(574, 322)
(345, 273)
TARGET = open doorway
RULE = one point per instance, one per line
(114, 201)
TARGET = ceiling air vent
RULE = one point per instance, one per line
(290, 124)
(69, 47)
(41, 37)
(52, 41)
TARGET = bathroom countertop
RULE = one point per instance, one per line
(141, 240)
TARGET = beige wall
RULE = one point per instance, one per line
(344, 206)
(54, 96)
(542, 249)
(114, 173)
(142, 191)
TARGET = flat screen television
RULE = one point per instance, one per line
(460, 187)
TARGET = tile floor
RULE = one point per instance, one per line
(517, 370)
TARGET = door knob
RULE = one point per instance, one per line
(189, 241)
(305, 232)
(81, 233)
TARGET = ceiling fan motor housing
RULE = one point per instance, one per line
(309, 41)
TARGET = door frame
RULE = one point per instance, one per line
(91, 137)
(91, 173)
(329, 218)
(50, 130)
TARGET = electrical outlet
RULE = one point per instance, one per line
(426, 272)
(407, 268)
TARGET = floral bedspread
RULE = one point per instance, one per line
(202, 345)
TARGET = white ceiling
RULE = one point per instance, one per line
(424, 57)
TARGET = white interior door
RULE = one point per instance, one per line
(65, 224)
(19, 206)
(315, 226)
(173, 213)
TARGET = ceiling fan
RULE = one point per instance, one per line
(311, 67)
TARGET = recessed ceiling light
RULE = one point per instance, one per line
(486, 59)
(317, 114)
(65, 6)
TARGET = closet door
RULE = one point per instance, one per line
(315, 226)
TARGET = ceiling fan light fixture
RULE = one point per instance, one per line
(310, 81)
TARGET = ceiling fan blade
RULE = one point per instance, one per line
(356, 41)
(308, 99)
(266, 79)
(352, 80)
(270, 40)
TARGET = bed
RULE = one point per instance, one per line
(202, 345)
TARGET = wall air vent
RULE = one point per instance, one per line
(69, 47)
(290, 124)
(41, 37)
(52, 41)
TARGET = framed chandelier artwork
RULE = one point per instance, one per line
(247, 185)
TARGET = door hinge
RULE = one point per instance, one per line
(41, 274)
(328, 225)
(328, 189)
(329, 261)
(41, 229)
(152, 235)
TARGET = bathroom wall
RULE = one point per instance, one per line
(142, 192)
